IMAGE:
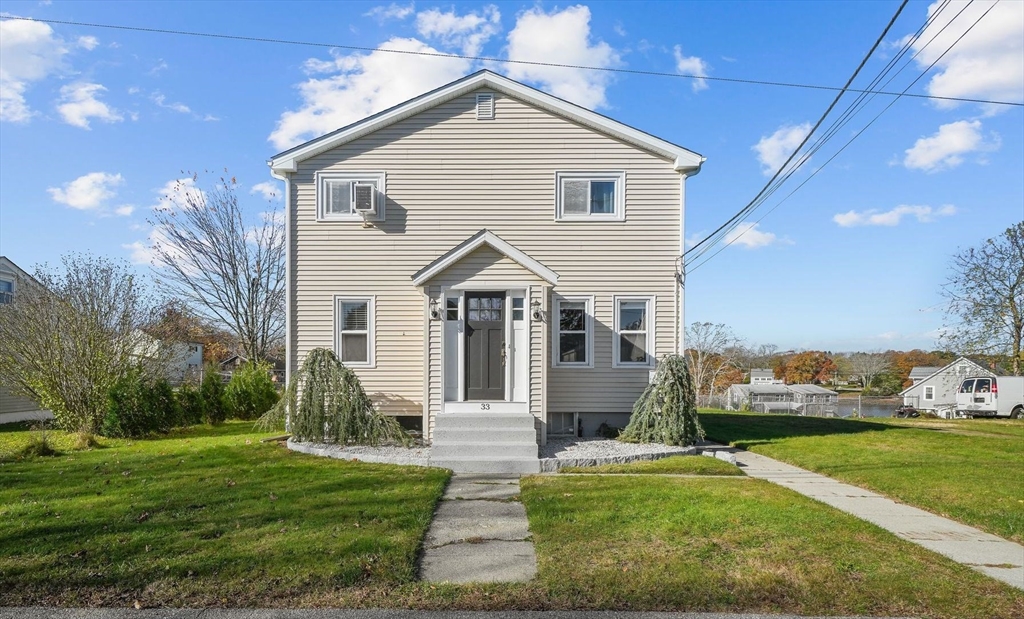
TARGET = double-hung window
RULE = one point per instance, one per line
(633, 344)
(929, 393)
(6, 292)
(573, 332)
(335, 195)
(353, 319)
(590, 195)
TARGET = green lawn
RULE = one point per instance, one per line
(201, 517)
(673, 465)
(738, 545)
(968, 470)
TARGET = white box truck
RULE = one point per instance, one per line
(991, 396)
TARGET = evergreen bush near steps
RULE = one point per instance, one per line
(667, 410)
(327, 404)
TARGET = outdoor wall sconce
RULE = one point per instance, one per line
(535, 310)
(435, 310)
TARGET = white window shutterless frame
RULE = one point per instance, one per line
(590, 196)
(334, 195)
(573, 332)
(354, 330)
(633, 335)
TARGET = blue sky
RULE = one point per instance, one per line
(95, 123)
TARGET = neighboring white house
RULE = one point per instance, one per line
(15, 408)
(763, 376)
(181, 360)
(486, 256)
(777, 397)
(937, 391)
(921, 372)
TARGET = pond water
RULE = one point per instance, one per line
(869, 407)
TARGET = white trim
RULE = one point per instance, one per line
(288, 312)
(683, 159)
(490, 285)
(616, 176)
(477, 406)
(371, 324)
(556, 301)
(322, 178)
(651, 324)
(485, 113)
(924, 393)
(484, 236)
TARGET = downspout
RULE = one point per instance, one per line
(680, 274)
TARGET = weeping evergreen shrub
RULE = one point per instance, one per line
(667, 410)
(328, 405)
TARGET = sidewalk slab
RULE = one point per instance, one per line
(456, 521)
(488, 561)
(984, 552)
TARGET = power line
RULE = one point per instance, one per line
(751, 205)
(733, 80)
(871, 122)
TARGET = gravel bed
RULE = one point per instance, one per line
(558, 453)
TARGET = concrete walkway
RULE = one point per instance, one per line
(990, 555)
(479, 533)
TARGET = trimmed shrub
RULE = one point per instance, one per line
(667, 410)
(250, 393)
(137, 406)
(193, 408)
(211, 391)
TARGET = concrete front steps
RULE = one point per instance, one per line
(485, 443)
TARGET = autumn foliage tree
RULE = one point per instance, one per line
(811, 366)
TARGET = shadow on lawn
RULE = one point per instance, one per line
(745, 430)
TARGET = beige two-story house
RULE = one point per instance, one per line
(487, 256)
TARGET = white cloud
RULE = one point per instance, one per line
(987, 63)
(468, 32)
(773, 150)
(88, 192)
(747, 235)
(140, 252)
(392, 11)
(562, 37)
(268, 189)
(946, 149)
(873, 217)
(88, 42)
(363, 84)
(79, 104)
(692, 65)
(161, 101)
(124, 210)
(29, 52)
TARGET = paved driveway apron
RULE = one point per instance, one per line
(989, 554)
(479, 533)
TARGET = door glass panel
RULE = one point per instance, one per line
(474, 303)
(632, 315)
(474, 314)
(574, 197)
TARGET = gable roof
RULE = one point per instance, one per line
(922, 381)
(484, 237)
(923, 371)
(684, 159)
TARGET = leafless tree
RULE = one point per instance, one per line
(68, 336)
(226, 264)
(867, 365)
(707, 346)
(985, 291)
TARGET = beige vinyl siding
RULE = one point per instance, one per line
(450, 175)
(10, 403)
(484, 264)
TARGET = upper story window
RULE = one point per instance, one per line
(590, 195)
(633, 345)
(574, 332)
(929, 392)
(336, 191)
(6, 291)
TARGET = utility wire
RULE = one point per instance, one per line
(844, 119)
(212, 35)
(858, 134)
(743, 211)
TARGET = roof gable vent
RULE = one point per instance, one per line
(485, 106)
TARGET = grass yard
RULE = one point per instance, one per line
(206, 516)
(738, 545)
(673, 465)
(967, 470)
